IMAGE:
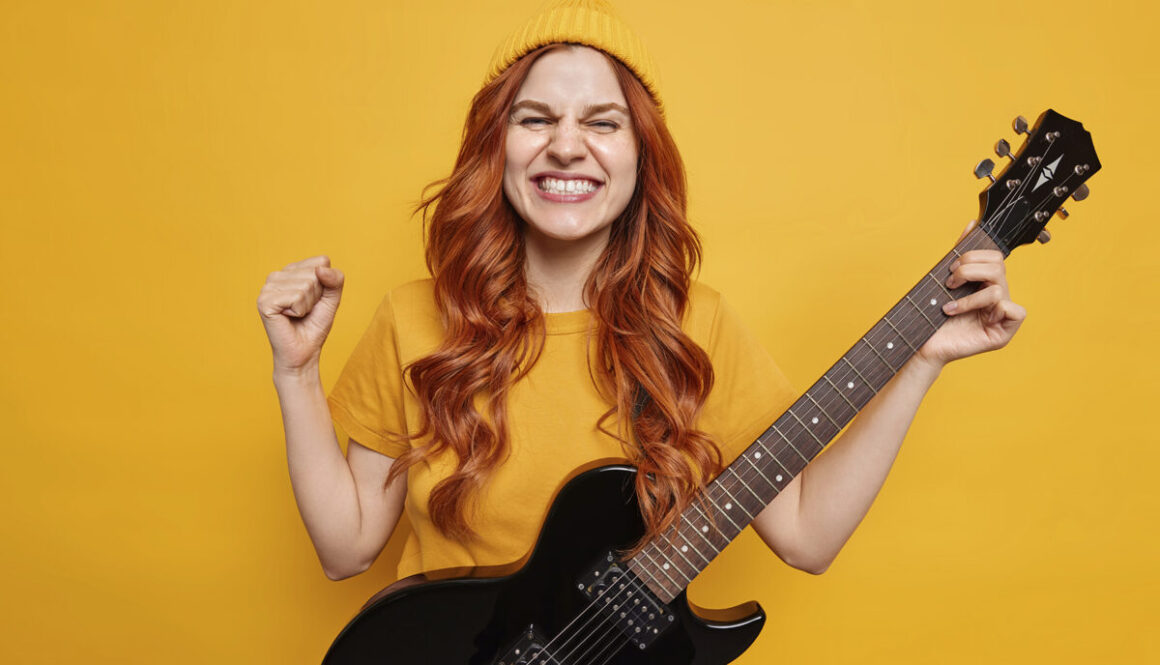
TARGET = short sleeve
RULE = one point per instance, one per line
(367, 400)
(749, 392)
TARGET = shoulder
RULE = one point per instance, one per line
(701, 313)
(412, 314)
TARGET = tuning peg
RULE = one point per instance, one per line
(1019, 124)
(1081, 192)
(984, 168)
(1062, 212)
(1002, 148)
(1043, 237)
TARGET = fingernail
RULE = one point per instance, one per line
(951, 281)
(950, 307)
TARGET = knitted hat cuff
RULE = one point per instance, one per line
(588, 22)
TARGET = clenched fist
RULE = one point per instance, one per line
(297, 305)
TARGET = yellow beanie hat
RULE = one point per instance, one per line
(589, 22)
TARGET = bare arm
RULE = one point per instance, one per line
(811, 520)
(346, 507)
(347, 511)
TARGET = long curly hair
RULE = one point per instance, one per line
(655, 378)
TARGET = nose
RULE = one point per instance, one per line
(567, 144)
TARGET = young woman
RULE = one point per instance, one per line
(561, 326)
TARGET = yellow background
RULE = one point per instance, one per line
(159, 158)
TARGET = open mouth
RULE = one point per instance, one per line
(571, 186)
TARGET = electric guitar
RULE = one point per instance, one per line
(575, 600)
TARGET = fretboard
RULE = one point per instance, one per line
(667, 564)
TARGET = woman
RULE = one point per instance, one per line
(561, 327)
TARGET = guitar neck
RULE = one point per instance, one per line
(729, 503)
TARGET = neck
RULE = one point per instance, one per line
(558, 269)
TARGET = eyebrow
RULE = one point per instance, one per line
(590, 109)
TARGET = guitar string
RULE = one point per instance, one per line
(906, 322)
(593, 604)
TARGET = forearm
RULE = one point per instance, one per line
(324, 486)
(837, 489)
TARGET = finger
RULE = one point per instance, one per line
(1007, 310)
(275, 301)
(987, 297)
(330, 278)
(976, 272)
(321, 260)
(981, 256)
(970, 225)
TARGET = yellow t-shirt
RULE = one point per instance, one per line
(552, 413)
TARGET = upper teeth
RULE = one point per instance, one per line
(557, 186)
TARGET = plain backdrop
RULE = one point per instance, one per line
(158, 159)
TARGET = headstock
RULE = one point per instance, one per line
(1052, 164)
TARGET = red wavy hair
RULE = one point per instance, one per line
(653, 375)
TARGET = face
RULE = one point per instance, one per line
(571, 155)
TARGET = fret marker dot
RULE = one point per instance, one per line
(890, 345)
(757, 455)
(728, 506)
(933, 301)
(814, 420)
(684, 548)
(850, 384)
(666, 566)
(778, 478)
(704, 529)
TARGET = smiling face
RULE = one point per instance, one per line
(571, 152)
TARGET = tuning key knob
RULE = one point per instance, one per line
(1043, 237)
(1019, 124)
(1062, 212)
(983, 169)
(1002, 148)
(1081, 192)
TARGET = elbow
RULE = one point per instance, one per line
(336, 571)
(809, 563)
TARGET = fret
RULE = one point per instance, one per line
(824, 412)
(782, 451)
(775, 457)
(941, 286)
(920, 311)
(839, 392)
(820, 443)
(888, 365)
(758, 470)
(681, 553)
(732, 500)
(701, 532)
(641, 567)
(900, 335)
(868, 384)
(665, 571)
(745, 484)
(717, 507)
(786, 439)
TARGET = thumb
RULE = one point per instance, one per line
(330, 278)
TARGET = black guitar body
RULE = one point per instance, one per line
(481, 621)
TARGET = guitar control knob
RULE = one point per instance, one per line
(1019, 124)
(1081, 192)
(1044, 237)
(983, 169)
(1002, 148)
